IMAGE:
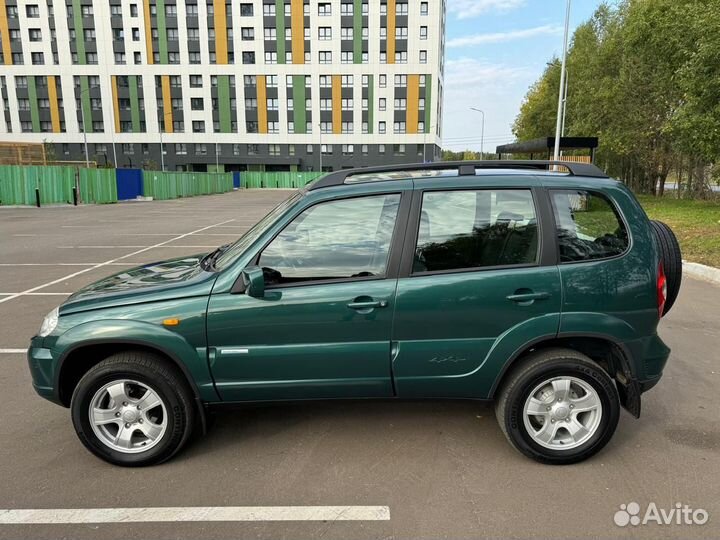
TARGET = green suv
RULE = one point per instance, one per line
(507, 281)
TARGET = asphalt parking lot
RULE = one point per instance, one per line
(441, 469)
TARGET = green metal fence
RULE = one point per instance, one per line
(171, 185)
(19, 182)
(98, 186)
(289, 180)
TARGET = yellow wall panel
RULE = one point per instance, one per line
(336, 104)
(116, 103)
(167, 104)
(5, 32)
(391, 31)
(221, 42)
(297, 26)
(413, 101)
(262, 104)
(148, 32)
(54, 107)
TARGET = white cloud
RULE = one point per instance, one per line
(495, 88)
(500, 37)
(467, 9)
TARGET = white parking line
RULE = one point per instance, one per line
(13, 351)
(38, 294)
(131, 254)
(196, 513)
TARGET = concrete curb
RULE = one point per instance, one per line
(701, 271)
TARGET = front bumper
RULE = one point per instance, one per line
(42, 369)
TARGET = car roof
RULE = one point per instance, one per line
(457, 169)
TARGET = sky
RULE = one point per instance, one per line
(494, 51)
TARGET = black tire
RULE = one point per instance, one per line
(532, 371)
(672, 260)
(164, 379)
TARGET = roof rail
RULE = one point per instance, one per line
(463, 168)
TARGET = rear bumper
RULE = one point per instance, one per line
(642, 369)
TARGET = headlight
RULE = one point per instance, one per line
(49, 323)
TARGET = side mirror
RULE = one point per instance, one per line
(254, 281)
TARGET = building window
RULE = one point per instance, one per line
(133, 10)
(381, 149)
(324, 33)
(401, 8)
(325, 57)
(401, 32)
(270, 57)
(401, 57)
(274, 149)
(200, 149)
(248, 57)
(271, 81)
(247, 34)
(249, 80)
(399, 127)
(400, 104)
(347, 128)
(381, 127)
(309, 149)
(346, 57)
(364, 149)
(423, 32)
(180, 149)
(348, 149)
(346, 32)
(382, 104)
(273, 127)
(400, 81)
(32, 11)
(272, 104)
(347, 104)
(196, 104)
(270, 33)
(399, 149)
(423, 57)
(246, 10)
(198, 126)
(128, 148)
(196, 81)
(34, 34)
(250, 103)
(326, 104)
(38, 58)
(269, 10)
(423, 8)
(251, 127)
(325, 9)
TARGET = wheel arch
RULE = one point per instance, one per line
(610, 354)
(81, 357)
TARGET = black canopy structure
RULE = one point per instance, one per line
(545, 146)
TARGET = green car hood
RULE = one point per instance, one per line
(163, 280)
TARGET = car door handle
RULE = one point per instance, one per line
(370, 304)
(528, 297)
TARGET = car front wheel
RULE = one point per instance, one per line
(133, 409)
(558, 407)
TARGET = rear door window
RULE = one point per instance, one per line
(475, 229)
(588, 226)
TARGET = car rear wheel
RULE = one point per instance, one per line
(133, 409)
(672, 260)
(558, 407)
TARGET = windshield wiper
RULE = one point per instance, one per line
(208, 261)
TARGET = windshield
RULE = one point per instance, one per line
(236, 249)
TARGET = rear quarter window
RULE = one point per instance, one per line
(589, 226)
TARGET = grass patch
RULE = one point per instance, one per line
(695, 223)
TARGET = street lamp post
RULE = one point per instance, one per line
(562, 90)
(162, 146)
(482, 131)
(320, 144)
(82, 119)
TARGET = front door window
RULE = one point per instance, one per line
(341, 239)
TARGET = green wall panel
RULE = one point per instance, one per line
(280, 26)
(428, 103)
(224, 113)
(357, 32)
(32, 97)
(299, 113)
(79, 31)
(162, 32)
(134, 103)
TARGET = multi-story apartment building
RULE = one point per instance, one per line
(280, 84)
